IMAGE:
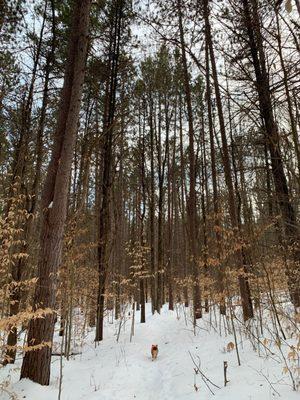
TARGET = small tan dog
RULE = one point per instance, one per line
(154, 351)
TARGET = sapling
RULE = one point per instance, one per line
(132, 321)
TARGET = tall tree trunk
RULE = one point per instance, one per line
(243, 281)
(108, 129)
(216, 208)
(181, 200)
(171, 206)
(191, 206)
(152, 210)
(142, 208)
(36, 364)
(252, 24)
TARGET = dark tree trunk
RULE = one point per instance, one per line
(255, 42)
(243, 281)
(191, 206)
(108, 128)
(152, 210)
(216, 208)
(142, 209)
(36, 364)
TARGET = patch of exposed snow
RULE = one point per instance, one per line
(125, 371)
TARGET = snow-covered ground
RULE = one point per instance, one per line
(124, 370)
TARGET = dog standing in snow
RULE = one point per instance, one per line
(154, 351)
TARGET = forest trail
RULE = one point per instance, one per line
(125, 371)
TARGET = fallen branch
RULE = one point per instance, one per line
(203, 376)
(62, 354)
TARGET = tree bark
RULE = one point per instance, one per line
(36, 364)
(191, 206)
(243, 281)
(255, 42)
(108, 129)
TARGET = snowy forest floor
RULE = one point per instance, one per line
(124, 370)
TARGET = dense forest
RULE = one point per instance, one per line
(149, 155)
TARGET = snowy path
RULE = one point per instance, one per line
(125, 371)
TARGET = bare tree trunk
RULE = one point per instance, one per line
(142, 209)
(252, 24)
(181, 197)
(171, 206)
(192, 210)
(243, 281)
(108, 125)
(152, 209)
(36, 364)
(216, 208)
